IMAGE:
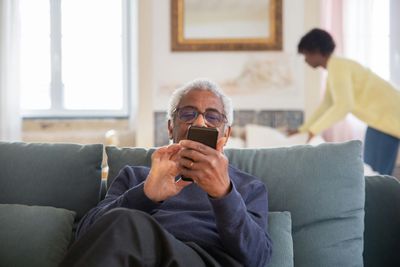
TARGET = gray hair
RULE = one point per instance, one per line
(201, 84)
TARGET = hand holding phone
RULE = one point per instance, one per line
(204, 135)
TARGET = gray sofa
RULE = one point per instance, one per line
(324, 212)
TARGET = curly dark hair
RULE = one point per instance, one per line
(317, 40)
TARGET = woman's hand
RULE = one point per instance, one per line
(291, 132)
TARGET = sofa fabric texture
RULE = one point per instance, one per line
(319, 189)
(280, 224)
(382, 221)
(60, 175)
(35, 236)
(322, 187)
(280, 230)
(117, 158)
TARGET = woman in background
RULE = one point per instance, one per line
(352, 88)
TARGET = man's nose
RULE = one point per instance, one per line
(200, 121)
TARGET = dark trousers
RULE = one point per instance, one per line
(380, 151)
(124, 237)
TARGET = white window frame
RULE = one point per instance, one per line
(56, 86)
(395, 43)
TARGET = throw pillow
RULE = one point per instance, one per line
(280, 230)
(34, 235)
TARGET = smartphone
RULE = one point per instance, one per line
(204, 135)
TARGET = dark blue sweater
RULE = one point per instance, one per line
(235, 224)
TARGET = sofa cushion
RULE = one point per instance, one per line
(34, 235)
(382, 221)
(59, 175)
(117, 158)
(322, 187)
(280, 230)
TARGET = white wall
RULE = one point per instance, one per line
(161, 70)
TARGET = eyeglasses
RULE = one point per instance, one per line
(212, 117)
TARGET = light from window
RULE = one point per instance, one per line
(366, 34)
(72, 57)
(92, 54)
(35, 54)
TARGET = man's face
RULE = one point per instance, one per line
(201, 100)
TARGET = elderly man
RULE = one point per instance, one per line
(151, 217)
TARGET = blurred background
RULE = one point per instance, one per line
(101, 71)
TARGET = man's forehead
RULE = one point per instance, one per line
(201, 99)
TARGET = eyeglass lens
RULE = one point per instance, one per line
(190, 114)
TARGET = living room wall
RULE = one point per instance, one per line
(161, 70)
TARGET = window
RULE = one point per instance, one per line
(371, 36)
(367, 34)
(395, 43)
(74, 58)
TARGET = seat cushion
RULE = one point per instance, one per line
(59, 175)
(34, 236)
(322, 187)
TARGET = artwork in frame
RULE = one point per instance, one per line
(218, 25)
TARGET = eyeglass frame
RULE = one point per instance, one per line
(198, 112)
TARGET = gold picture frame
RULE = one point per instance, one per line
(270, 41)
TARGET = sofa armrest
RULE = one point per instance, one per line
(382, 221)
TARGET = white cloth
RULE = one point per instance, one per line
(261, 136)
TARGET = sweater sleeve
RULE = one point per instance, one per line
(126, 191)
(340, 87)
(242, 226)
(325, 104)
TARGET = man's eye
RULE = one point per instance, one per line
(188, 115)
(211, 116)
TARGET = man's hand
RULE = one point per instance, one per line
(160, 184)
(207, 167)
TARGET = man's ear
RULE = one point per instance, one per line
(170, 129)
(224, 139)
(227, 134)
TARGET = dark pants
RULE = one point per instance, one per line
(124, 237)
(380, 151)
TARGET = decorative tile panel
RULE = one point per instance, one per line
(291, 119)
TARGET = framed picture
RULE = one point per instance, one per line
(207, 25)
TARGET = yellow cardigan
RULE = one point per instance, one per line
(356, 89)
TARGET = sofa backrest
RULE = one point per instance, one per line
(322, 187)
(59, 175)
